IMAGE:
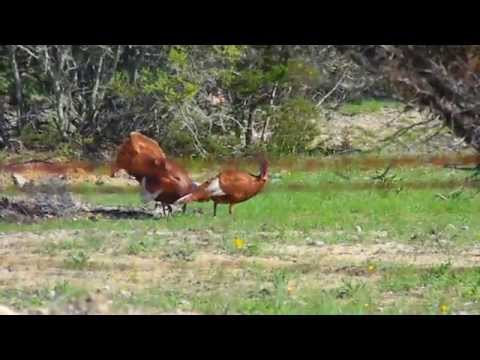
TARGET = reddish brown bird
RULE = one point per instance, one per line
(167, 183)
(229, 187)
(162, 179)
(135, 155)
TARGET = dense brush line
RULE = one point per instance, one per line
(367, 162)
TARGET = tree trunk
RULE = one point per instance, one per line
(3, 131)
(134, 58)
(94, 98)
(249, 127)
(59, 89)
(104, 76)
(263, 136)
(18, 86)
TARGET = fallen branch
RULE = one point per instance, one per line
(399, 133)
(382, 176)
(404, 130)
(322, 100)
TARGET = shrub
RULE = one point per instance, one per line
(294, 127)
(46, 138)
(179, 141)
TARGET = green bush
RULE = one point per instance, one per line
(122, 87)
(255, 149)
(66, 150)
(221, 145)
(179, 141)
(293, 127)
(47, 138)
(4, 84)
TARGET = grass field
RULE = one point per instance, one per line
(322, 246)
(366, 106)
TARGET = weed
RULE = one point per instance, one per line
(77, 260)
(349, 289)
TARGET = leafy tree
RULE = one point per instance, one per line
(195, 99)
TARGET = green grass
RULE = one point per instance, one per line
(404, 213)
(433, 287)
(261, 303)
(90, 242)
(161, 259)
(367, 106)
(257, 300)
(59, 293)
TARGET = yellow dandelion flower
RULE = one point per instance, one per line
(371, 268)
(444, 309)
(239, 243)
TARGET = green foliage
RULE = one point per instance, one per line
(155, 81)
(122, 86)
(179, 141)
(296, 73)
(294, 127)
(229, 56)
(249, 81)
(174, 89)
(4, 84)
(178, 58)
(172, 83)
(300, 73)
(230, 53)
(226, 77)
(167, 77)
(277, 73)
(221, 145)
(66, 150)
(47, 138)
(34, 88)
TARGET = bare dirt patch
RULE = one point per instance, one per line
(364, 131)
(387, 252)
(24, 265)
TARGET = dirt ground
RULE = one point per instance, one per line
(110, 271)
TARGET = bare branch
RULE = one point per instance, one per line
(406, 129)
(322, 100)
(28, 51)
